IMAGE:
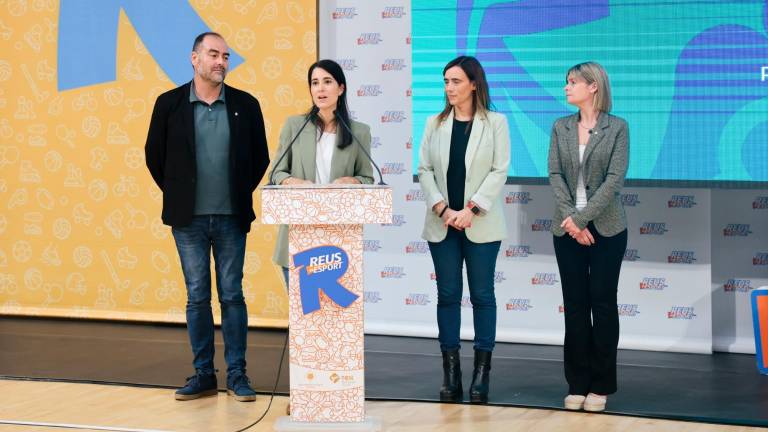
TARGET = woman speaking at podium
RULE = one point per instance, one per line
(319, 147)
(463, 165)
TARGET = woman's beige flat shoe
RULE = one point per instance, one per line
(595, 403)
(574, 402)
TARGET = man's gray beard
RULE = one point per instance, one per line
(223, 76)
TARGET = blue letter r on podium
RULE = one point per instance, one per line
(320, 269)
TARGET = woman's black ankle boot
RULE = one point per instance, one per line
(478, 391)
(451, 391)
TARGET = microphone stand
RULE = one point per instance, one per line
(354, 138)
(311, 114)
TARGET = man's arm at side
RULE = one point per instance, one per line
(260, 149)
(154, 149)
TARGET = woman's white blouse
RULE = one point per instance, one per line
(323, 157)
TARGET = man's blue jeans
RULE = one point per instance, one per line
(448, 257)
(222, 234)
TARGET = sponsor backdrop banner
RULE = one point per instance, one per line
(80, 229)
(669, 288)
(740, 247)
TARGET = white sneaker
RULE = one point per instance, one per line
(595, 402)
(574, 402)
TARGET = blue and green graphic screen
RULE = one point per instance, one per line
(690, 77)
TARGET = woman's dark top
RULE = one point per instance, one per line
(457, 170)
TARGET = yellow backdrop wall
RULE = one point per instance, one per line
(80, 229)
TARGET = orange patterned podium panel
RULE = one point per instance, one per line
(325, 316)
(326, 346)
(326, 204)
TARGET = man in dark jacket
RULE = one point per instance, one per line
(207, 151)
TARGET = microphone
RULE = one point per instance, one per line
(311, 114)
(354, 138)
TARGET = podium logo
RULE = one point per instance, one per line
(320, 268)
(369, 90)
(760, 259)
(544, 279)
(653, 283)
(736, 230)
(415, 299)
(393, 64)
(347, 64)
(371, 245)
(369, 39)
(417, 247)
(517, 251)
(518, 305)
(371, 296)
(681, 201)
(344, 13)
(393, 12)
(518, 198)
(631, 255)
(760, 203)
(681, 257)
(681, 312)
(397, 220)
(393, 168)
(414, 195)
(628, 310)
(323, 263)
(542, 225)
(344, 379)
(738, 285)
(630, 200)
(653, 228)
(392, 273)
(393, 117)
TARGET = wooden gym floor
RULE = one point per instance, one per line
(110, 407)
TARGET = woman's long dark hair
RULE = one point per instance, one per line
(481, 98)
(342, 111)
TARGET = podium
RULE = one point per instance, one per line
(325, 314)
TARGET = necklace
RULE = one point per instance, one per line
(587, 128)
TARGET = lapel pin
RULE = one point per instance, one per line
(235, 113)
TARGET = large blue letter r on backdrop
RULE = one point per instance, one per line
(88, 38)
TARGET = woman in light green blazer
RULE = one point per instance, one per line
(324, 151)
(463, 164)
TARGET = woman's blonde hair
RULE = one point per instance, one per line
(592, 72)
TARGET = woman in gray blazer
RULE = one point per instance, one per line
(588, 156)
(323, 151)
(463, 164)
